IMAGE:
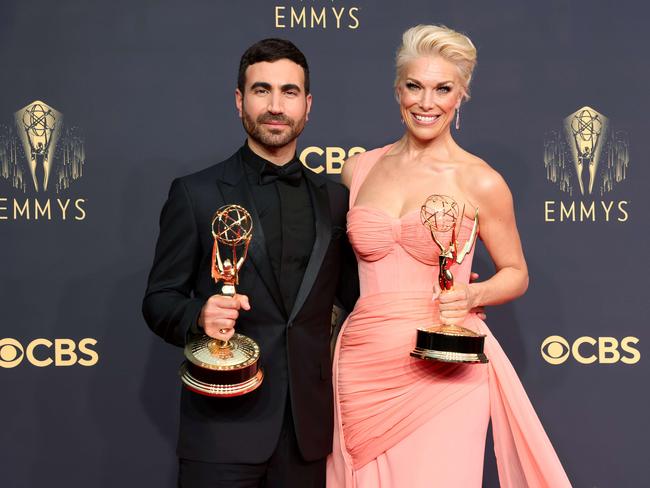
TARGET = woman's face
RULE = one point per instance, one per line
(429, 92)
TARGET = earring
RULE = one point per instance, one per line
(458, 118)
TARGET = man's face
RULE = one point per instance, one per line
(274, 106)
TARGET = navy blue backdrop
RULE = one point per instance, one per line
(144, 92)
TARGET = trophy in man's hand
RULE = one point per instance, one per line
(449, 343)
(225, 368)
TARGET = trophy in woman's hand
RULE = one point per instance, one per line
(225, 368)
(450, 343)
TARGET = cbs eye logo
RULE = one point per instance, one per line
(43, 352)
(587, 350)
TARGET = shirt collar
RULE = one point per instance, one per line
(254, 164)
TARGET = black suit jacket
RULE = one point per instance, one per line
(295, 352)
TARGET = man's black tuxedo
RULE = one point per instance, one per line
(295, 345)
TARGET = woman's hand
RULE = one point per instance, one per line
(456, 304)
(479, 310)
(451, 301)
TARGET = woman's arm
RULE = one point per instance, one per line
(498, 231)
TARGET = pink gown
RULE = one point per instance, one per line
(405, 422)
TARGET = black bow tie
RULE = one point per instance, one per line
(290, 172)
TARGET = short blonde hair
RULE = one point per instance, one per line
(437, 40)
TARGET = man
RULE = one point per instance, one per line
(280, 434)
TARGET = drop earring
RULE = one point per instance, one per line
(458, 118)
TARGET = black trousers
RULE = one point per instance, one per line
(285, 468)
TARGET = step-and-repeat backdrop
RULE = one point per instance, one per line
(103, 103)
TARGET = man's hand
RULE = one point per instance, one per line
(219, 314)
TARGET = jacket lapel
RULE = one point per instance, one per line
(235, 190)
(320, 200)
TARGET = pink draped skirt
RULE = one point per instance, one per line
(402, 421)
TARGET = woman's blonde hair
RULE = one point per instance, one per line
(437, 40)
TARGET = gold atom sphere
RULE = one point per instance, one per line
(439, 213)
(233, 225)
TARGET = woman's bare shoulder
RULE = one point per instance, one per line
(483, 182)
(348, 169)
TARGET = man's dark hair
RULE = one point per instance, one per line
(270, 50)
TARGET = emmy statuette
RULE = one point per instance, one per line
(448, 343)
(230, 368)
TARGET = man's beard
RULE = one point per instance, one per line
(272, 137)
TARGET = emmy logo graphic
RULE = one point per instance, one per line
(586, 159)
(585, 152)
(39, 152)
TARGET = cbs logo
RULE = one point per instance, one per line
(587, 350)
(312, 156)
(43, 352)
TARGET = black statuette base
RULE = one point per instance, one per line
(453, 348)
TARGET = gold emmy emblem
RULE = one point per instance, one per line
(39, 128)
(225, 368)
(449, 343)
(586, 129)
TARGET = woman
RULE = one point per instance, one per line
(405, 422)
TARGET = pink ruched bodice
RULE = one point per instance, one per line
(402, 249)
